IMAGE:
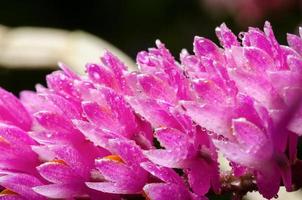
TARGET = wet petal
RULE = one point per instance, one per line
(162, 191)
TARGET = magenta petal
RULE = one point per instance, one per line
(256, 38)
(226, 37)
(22, 184)
(131, 179)
(61, 83)
(67, 70)
(60, 191)
(211, 117)
(252, 143)
(117, 67)
(109, 187)
(54, 121)
(173, 139)
(12, 111)
(66, 107)
(11, 197)
(80, 159)
(209, 91)
(268, 183)
(277, 53)
(56, 172)
(156, 88)
(292, 145)
(155, 112)
(35, 102)
(168, 158)
(101, 75)
(294, 63)
(15, 135)
(199, 177)
(295, 42)
(163, 173)
(258, 59)
(101, 116)
(114, 171)
(235, 153)
(128, 150)
(207, 48)
(99, 137)
(164, 191)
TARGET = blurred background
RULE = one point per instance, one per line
(35, 34)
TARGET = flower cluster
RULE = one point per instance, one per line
(156, 132)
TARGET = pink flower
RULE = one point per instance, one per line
(156, 132)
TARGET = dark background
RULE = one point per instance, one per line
(133, 25)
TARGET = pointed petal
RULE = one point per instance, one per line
(207, 48)
(199, 177)
(173, 139)
(128, 150)
(167, 158)
(213, 118)
(60, 191)
(21, 184)
(165, 174)
(268, 183)
(57, 172)
(162, 191)
(101, 75)
(295, 42)
(12, 111)
(226, 37)
(110, 187)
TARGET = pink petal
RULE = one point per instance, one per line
(156, 88)
(101, 75)
(155, 112)
(61, 190)
(109, 187)
(167, 158)
(295, 42)
(62, 84)
(119, 173)
(12, 111)
(100, 116)
(15, 135)
(163, 191)
(207, 48)
(21, 184)
(252, 143)
(99, 137)
(226, 37)
(199, 177)
(117, 67)
(80, 159)
(128, 150)
(66, 107)
(212, 118)
(268, 183)
(173, 139)
(276, 50)
(258, 59)
(256, 38)
(35, 102)
(163, 173)
(294, 63)
(56, 172)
